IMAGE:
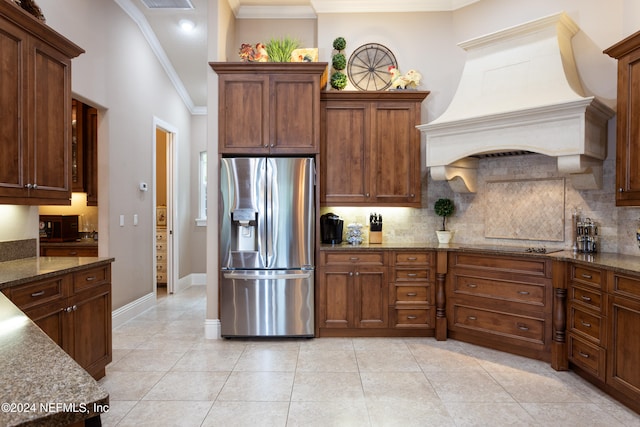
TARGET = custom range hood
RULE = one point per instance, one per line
(520, 93)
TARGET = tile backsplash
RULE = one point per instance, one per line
(617, 226)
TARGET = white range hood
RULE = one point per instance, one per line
(520, 92)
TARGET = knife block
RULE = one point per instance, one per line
(375, 237)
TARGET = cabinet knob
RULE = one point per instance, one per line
(35, 186)
(266, 145)
(367, 195)
(357, 273)
(620, 190)
(273, 145)
(412, 195)
(28, 186)
(351, 273)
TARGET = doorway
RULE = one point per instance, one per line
(164, 203)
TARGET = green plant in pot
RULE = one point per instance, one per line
(444, 208)
(279, 50)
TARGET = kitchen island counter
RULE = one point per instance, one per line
(40, 384)
(17, 272)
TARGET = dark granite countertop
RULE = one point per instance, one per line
(40, 384)
(24, 270)
(626, 264)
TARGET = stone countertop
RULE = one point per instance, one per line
(626, 264)
(24, 270)
(40, 384)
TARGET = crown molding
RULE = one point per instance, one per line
(275, 12)
(137, 16)
(344, 6)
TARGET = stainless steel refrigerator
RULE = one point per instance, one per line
(267, 223)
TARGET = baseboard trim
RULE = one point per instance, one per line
(212, 329)
(127, 312)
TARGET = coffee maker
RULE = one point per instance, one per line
(331, 228)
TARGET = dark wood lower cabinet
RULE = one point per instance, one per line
(74, 310)
(503, 302)
(363, 293)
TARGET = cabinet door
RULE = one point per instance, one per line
(628, 128)
(371, 299)
(294, 114)
(624, 349)
(50, 131)
(336, 297)
(91, 329)
(243, 119)
(345, 152)
(395, 154)
(52, 319)
(13, 151)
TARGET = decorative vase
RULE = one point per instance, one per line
(444, 236)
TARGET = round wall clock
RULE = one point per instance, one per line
(368, 67)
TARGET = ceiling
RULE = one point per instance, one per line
(184, 55)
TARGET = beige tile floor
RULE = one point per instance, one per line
(165, 373)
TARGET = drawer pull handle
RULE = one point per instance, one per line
(412, 317)
(412, 294)
(73, 253)
(523, 327)
(472, 318)
(412, 258)
(585, 298)
(412, 275)
(472, 285)
(585, 324)
(587, 276)
(354, 258)
(585, 355)
(37, 294)
(523, 292)
(90, 278)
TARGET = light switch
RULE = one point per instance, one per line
(121, 220)
(135, 219)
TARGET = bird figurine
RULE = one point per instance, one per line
(250, 54)
(411, 80)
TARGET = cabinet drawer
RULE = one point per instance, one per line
(586, 324)
(625, 286)
(590, 297)
(588, 356)
(413, 318)
(34, 294)
(161, 246)
(161, 267)
(161, 236)
(499, 323)
(590, 276)
(413, 258)
(350, 258)
(92, 277)
(499, 290)
(411, 294)
(73, 251)
(402, 275)
(161, 277)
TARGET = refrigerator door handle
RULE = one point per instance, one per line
(245, 276)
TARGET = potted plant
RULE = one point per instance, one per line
(444, 208)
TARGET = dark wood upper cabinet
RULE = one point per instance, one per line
(35, 109)
(84, 150)
(627, 52)
(370, 148)
(269, 108)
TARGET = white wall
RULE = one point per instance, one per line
(120, 74)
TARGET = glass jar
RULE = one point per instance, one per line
(354, 234)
